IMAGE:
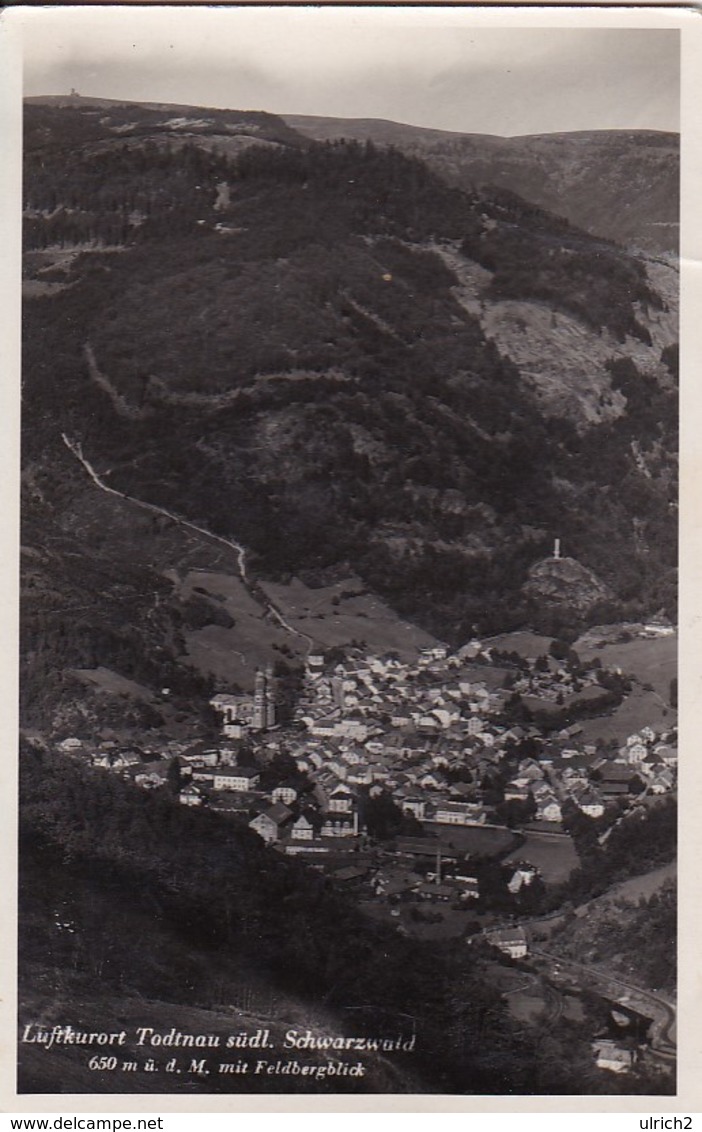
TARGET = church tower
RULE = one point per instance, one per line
(270, 697)
(264, 700)
(258, 721)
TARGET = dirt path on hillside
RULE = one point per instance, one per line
(253, 588)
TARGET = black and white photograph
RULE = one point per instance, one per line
(348, 748)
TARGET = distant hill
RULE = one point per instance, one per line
(114, 125)
(621, 184)
(383, 131)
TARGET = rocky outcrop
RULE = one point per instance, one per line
(566, 583)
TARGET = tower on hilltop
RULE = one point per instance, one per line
(557, 549)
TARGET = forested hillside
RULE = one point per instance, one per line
(211, 910)
(275, 345)
(256, 365)
(621, 184)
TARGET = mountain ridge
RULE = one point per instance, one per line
(331, 125)
(621, 184)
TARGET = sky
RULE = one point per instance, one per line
(427, 67)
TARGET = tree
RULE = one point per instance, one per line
(582, 829)
(283, 769)
(384, 819)
(174, 776)
(515, 812)
(515, 710)
(561, 650)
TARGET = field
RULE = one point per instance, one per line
(343, 612)
(327, 615)
(553, 854)
(233, 655)
(653, 664)
(477, 840)
(528, 645)
(638, 709)
(104, 680)
(651, 661)
(492, 677)
(123, 534)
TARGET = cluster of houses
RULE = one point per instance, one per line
(537, 681)
(434, 737)
(430, 734)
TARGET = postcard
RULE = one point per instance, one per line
(348, 509)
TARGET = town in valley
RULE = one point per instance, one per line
(447, 795)
(348, 705)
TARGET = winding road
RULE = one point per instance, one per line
(75, 448)
(651, 1004)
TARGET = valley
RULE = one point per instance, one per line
(348, 598)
